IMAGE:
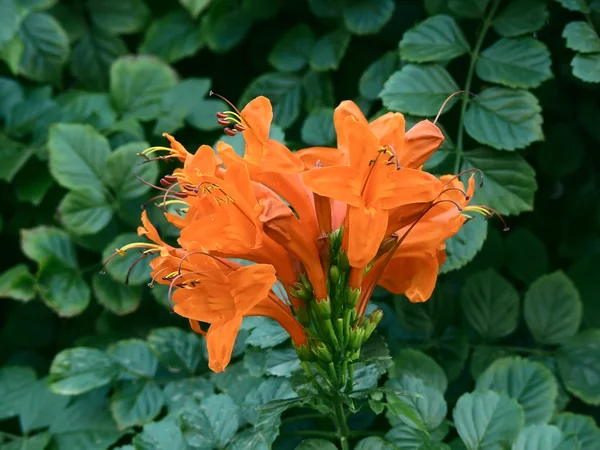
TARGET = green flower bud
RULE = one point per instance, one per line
(344, 263)
(304, 353)
(351, 297)
(322, 353)
(299, 290)
(372, 323)
(334, 275)
(321, 308)
(356, 338)
(305, 282)
(303, 316)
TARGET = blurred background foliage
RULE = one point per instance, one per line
(89, 362)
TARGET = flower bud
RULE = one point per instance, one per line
(304, 353)
(334, 275)
(321, 308)
(305, 282)
(372, 323)
(322, 353)
(351, 298)
(356, 338)
(299, 290)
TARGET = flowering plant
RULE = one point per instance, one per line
(321, 227)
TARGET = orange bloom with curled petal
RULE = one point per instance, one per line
(371, 185)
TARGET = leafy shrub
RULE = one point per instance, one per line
(506, 353)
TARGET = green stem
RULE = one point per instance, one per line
(487, 21)
(340, 419)
(360, 433)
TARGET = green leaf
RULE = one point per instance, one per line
(177, 349)
(86, 107)
(172, 37)
(374, 443)
(292, 51)
(86, 424)
(529, 383)
(581, 37)
(423, 407)
(318, 129)
(315, 444)
(62, 287)
(17, 283)
(136, 403)
(118, 298)
(464, 245)
(283, 90)
(269, 390)
(16, 156)
(452, 352)
(552, 308)
(471, 9)
(515, 62)
(282, 362)
(135, 358)
(418, 90)
(583, 427)
(37, 442)
(93, 55)
(11, 94)
(579, 365)
(186, 102)
(225, 25)
(264, 332)
(504, 119)
(510, 183)
(34, 190)
(163, 435)
(521, 17)
(36, 5)
(42, 242)
(490, 304)
(15, 384)
(438, 38)
(11, 53)
(587, 67)
(538, 437)
(118, 16)
(526, 256)
(419, 365)
(120, 267)
(78, 156)
(328, 51)
(372, 79)
(85, 212)
(406, 437)
(195, 7)
(575, 5)
(367, 16)
(81, 369)
(122, 166)
(223, 416)
(487, 420)
(317, 90)
(179, 393)
(9, 20)
(137, 84)
(46, 48)
(40, 407)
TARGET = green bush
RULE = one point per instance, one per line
(505, 355)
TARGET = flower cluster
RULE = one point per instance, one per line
(321, 226)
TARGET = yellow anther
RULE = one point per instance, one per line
(149, 247)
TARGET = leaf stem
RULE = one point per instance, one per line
(302, 417)
(487, 21)
(340, 421)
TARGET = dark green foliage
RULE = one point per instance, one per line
(505, 355)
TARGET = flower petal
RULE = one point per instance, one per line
(420, 142)
(366, 230)
(389, 129)
(251, 284)
(337, 182)
(220, 340)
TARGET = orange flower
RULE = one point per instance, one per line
(223, 302)
(176, 151)
(414, 267)
(371, 185)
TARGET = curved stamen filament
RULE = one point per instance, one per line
(145, 245)
(464, 172)
(150, 184)
(447, 100)
(144, 255)
(151, 284)
(456, 189)
(488, 212)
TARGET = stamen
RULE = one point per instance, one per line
(221, 115)
(145, 205)
(164, 182)
(182, 194)
(170, 178)
(144, 255)
(447, 100)
(456, 189)
(239, 127)
(149, 184)
(464, 172)
(223, 122)
(229, 131)
(151, 284)
(489, 212)
(211, 93)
